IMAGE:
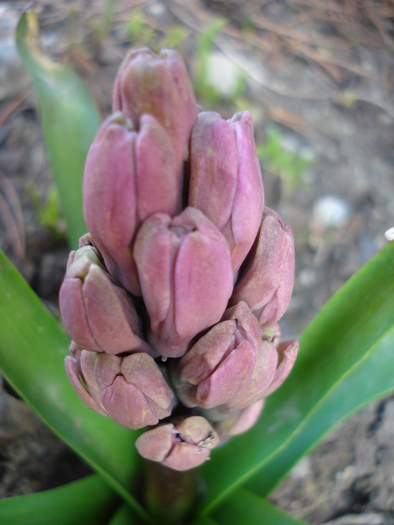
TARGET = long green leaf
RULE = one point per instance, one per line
(373, 375)
(205, 520)
(245, 507)
(32, 350)
(69, 119)
(348, 342)
(89, 501)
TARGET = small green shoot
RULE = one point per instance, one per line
(139, 32)
(100, 28)
(175, 36)
(289, 165)
(49, 212)
(202, 84)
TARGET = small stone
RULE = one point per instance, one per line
(389, 234)
(331, 211)
(223, 74)
(307, 277)
(302, 469)
(358, 519)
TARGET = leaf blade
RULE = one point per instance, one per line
(28, 327)
(338, 405)
(340, 336)
(123, 516)
(69, 119)
(88, 501)
(246, 507)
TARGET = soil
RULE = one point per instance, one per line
(322, 73)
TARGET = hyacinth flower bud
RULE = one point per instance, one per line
(128, 176)
(240, 422)
(221, 362)
(159, 86)
(273, 365)
(186, 278)
(96, 313)
(131, 390)
(225, 179)
(267, 277)
(181, 445)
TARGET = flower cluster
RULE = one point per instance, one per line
(173, 299)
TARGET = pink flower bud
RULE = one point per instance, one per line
(96, 313)
(222, 361)
(273, 365)
(153, 278)
(131, 390)
(240, 422)
(128, 177)
(186, 278)
(158, 86)
(181, 445)
(266, 279)
(287, 352)
(225, 181)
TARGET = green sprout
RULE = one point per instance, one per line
(202, 84)
(49, 211)
(138, 30)
(101, 27)
(289, 165)
(175, 36)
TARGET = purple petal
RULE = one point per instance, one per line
(158, 181)
(229, 378)
(110, 198)
(213, 177)
(263, 270)
(287, 353)
(127, 405)
(142, 371)
(72, 309)
(72, 372)
(155, 444)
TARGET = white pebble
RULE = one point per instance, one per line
(389, 234)
(222, 74)
(331, 211)
(302, 469)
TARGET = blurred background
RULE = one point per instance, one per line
(317, 77)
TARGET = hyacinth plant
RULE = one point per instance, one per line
(171, 298)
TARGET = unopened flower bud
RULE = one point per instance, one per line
(225, 181)
(131, 390)
(180, 445)
(96, 313)
(221, 362)
(186, 278)
(158, 86)
(273, 365)
(128, 176)
(240, 422)
(267, 277)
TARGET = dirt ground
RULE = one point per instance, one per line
(318, 79)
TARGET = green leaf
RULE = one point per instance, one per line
(69, 118)
(32, 351)
(123, 516)
(345, 361)
(204, 520)
(373, 373)
(245, 507)
(89, 501)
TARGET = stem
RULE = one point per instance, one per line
(169, 494)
